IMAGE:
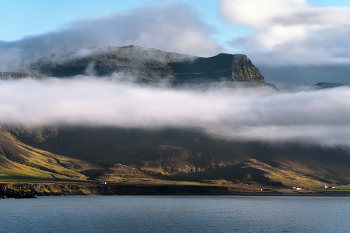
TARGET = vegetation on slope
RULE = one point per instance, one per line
(135, 155)
(25, 162)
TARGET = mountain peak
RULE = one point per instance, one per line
(149, 65)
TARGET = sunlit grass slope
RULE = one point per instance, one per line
(25, 162)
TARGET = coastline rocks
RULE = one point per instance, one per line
(34, 190)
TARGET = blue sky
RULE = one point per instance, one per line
(21, 18)
(271, 32)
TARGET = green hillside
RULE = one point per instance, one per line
(19, 161)
(191, 155)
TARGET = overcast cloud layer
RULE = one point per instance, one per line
(175, 28)
(320, 116)
(291, 32)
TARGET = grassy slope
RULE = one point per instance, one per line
(19, 161)
(190, 155)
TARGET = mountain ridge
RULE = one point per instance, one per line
(149, 65)
(166, 154)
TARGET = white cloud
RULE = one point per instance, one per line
(259, 13)
(241, 113)
(292, 30)
(321, 134)
(174, 28)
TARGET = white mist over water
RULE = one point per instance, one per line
(239, 113)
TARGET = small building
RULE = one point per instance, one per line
(103, 182)
(325, 186)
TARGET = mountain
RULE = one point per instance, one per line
(191, 155)
(149, 65)
(324, 85)
(163, 154)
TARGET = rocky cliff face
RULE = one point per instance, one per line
(149, 65)
(225, 67)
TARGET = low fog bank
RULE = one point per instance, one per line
(241, 113)
(327, 135)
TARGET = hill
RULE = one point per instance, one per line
(193, 156)
(21, 162)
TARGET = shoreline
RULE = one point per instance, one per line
(25, 190)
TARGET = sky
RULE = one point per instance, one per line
(306, 34)
(294, 43)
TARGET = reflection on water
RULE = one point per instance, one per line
(175, 214)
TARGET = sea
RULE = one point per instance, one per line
(176, 214)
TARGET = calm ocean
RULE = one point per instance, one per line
(175, 214)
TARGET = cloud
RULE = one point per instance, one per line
(329, 135)
(174, 28)
(292, 31)
(239, 113)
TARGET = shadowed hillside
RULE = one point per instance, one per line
(191, 155)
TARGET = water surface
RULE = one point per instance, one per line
(175, 214)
